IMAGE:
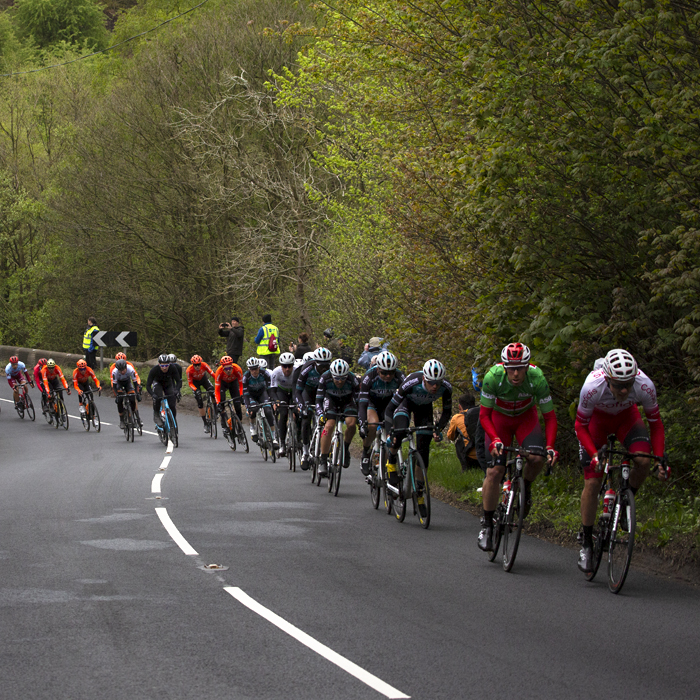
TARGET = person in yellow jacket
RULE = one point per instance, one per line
(89, 347)
(268, 336)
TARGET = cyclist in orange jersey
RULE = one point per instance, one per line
(197, 379)
(52, 378)
(82, 374)
(228, 377)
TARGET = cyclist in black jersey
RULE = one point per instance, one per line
(305, 395)
(377, 387)
(164, 381)
(416, 396)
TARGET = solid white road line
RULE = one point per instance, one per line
(155, 484)
(165, 462)
(179, 540)
(353, 669)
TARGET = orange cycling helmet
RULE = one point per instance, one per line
(120, 356)
(226, 361)
(42, 361)
(81, 364)
(196, 360)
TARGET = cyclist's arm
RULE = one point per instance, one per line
(63, 379)
(75, 382)
(320, 396)
(446, 408)
(550, 427)
(189, 380)
(96, 380)
(217, 387)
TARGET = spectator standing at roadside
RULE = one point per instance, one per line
(89, 347)
(371, 349)
(466, 432)
(233, 332)
(268, 341)
(332, 345)
(302, 346)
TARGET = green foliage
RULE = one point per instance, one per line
(47, 22)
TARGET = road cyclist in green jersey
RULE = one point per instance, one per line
(510, 395)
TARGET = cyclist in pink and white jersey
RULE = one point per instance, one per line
(607, 406)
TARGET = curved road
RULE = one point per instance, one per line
(323, 597)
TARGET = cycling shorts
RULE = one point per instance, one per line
(525, 427)
(378, 406)
(627, 426)
(348, 407)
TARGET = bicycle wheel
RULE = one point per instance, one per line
(138, 424)
(375, 487)
(29, 406)
(173, 431)
(19, 407)
(270, 444)
(95, 417)
(621, 540)
(63, 414)
(338, 466)
(399, 502)
(420, 490)
(240, 433)
(128, 423)
(513, 523)
(85, 415)
(230, 433)
(48, 413)
(333, 463)
(600, 538)
(210, 416)
(262, 437)
(291, 445)
(498, 518)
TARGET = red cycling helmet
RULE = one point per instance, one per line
(42, 361)
(226, 361)
(196, 360)
(14, 360)
(515, 355)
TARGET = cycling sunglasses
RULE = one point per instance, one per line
(620, 386)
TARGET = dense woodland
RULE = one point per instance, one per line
(449, 175)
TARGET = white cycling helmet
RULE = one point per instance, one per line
(323, 355)
(387, 361)
(339, 369)
(262, 363)
(298, 363)
(252, 362)
(286, 358)
(515, 355)
(433, 370)
(308, 356)
(620, 365)
(171, 358)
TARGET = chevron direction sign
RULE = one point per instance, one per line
(115, 339)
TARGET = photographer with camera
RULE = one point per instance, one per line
(233, 332)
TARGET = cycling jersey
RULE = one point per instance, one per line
(15, 375)
(52, 375)
(499, 395)
(308, 380)
(596, 398)
(224, 381)
(122, 377)
(412, 394)
(196, 374)
(330, 395)
(171, 377)
(83, 376)
(114, 364)
(282, 387)
(376, 393)
(255, 388)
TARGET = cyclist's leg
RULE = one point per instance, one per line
(372, 417)
(402, 419)
(529, 435)
(270, 418)
(15, 391)
(201, 386)
(350, 411)
(633, 434)
(157, 399)
(282, 418)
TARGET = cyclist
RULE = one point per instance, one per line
(228, 377)
(39, 382)
(607, 406)
(416, 395)
(305, 395)
(197, 378)
(256, 383)
(172, 359)
(124, 383)
(510, 394)
(52, 378)
(376, 389)
(282, 393)
(337, 392)
(122, 356)
(14, 371)
(82, 374)
(163, 381)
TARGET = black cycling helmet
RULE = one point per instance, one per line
(163, 359)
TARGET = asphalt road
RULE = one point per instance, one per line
(323, 597)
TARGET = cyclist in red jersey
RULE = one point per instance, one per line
(608, 406)
(228, 377)
(197, 379)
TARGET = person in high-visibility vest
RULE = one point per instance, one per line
(263, 338)
(89, 347)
